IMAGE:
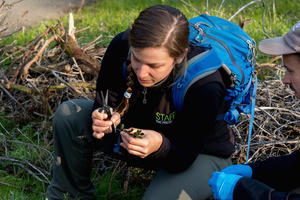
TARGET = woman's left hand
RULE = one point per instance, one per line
(141, 147)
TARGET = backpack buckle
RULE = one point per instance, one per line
(179, 84)
(197, 36)
(200, 32)
(251, 52)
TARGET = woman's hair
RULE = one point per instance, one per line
(158, 26)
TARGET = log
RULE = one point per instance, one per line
(90, 64)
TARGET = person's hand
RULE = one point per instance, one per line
(222, 185)
(141, 147)
(101, 125)
(242, 170)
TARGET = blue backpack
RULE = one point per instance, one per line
(229, 47)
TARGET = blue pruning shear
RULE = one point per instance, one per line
(109, 111)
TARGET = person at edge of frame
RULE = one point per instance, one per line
(276, 178)
(184, 147)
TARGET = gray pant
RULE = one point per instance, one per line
(189, 184)
(73, 151)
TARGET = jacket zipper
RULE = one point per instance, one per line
(144, 92)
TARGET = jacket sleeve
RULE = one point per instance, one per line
(251, 189)
(194, 128)
(110, 76)
(281, 173)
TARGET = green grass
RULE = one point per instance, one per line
(23, 188)
(107, 18)
(116, 186)
(21, 146)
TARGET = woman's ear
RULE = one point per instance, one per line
(181, 57)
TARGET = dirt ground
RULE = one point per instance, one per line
(27, 13)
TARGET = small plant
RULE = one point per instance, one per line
(137, 134)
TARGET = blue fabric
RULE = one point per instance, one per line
(116, 148)
(242, 170)
(227, 45)
(207, 62)
(235, 38)
(251, 118)
(222, 185)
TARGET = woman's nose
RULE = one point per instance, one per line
(142, 70)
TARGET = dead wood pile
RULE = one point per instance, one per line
(38, 76)
(276, 129)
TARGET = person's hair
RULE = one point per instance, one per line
(158, 26)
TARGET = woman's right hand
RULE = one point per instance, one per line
(101, 125)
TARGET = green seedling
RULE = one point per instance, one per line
(137, 134)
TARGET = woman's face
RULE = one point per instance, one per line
(151, 64)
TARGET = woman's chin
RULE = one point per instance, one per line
(146, 83)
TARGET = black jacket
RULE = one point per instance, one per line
(185, 133)
(272, 179)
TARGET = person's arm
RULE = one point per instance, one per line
(111, 72)
(110, 78)
(235, 187)
(280, 172)
(251, 189)
(194, 129)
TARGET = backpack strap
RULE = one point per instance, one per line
(253, 97)
(126, 63)
(199, 66)
(214, 77)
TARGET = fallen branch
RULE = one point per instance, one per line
(243, 7)
(20, 188)
(54, 88)
(38, 55)
(11, 96)
(73, 50)
(21, 162)
(189, 5)
(295, 113)
(265, 144)
(11, 33)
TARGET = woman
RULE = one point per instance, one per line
(185, 146)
